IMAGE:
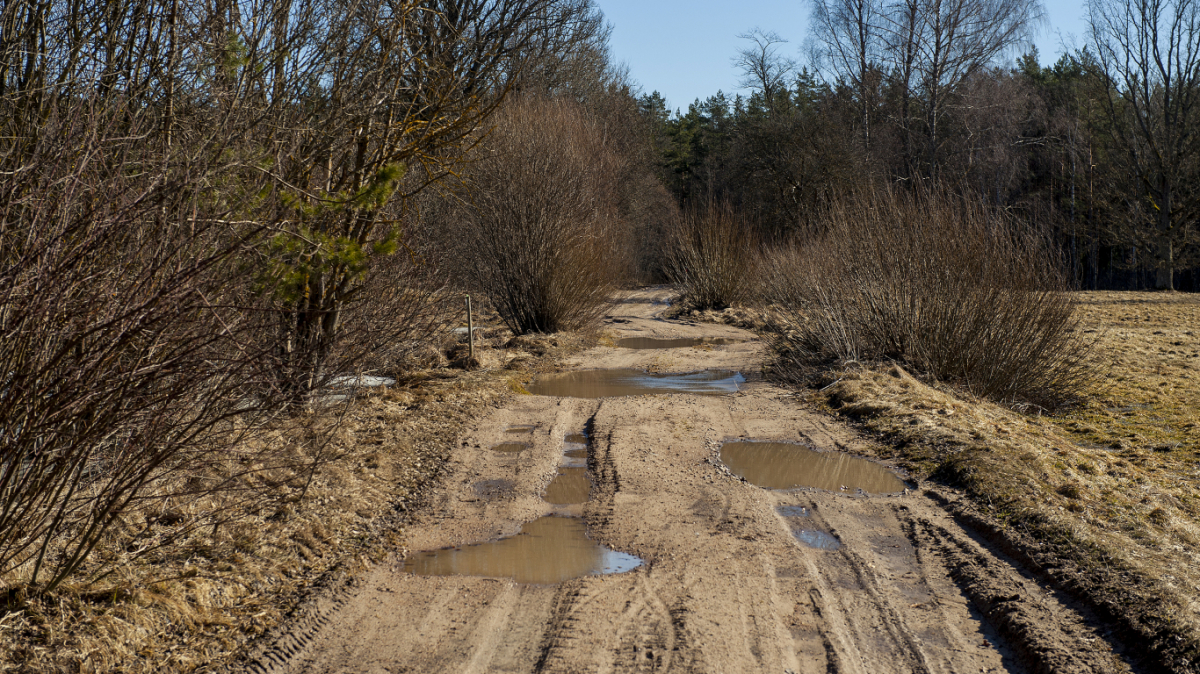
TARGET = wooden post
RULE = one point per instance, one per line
(470, 331)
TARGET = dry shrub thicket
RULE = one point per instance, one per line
(540, 233)
(203, 215)
(118, 368)
(938, 283)
(711, 252)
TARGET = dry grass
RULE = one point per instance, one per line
(1101, 498)
(195, 606)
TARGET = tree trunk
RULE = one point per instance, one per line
(1164, 278)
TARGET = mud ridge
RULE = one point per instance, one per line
(903, 638)
(1138, 643)
(1046, 641)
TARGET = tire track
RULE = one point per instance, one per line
(1048, 637)
(725, 588)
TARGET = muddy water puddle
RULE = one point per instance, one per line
(777, 465)
(681, 343)
(615, 383)
(815, 538)
(575, 451)
(799, 520)
(510, 447)
(569, 487)
(547, 550)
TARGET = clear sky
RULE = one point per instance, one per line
(684, 48)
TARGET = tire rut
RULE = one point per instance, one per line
(1048, 637)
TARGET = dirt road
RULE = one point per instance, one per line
(733, 577)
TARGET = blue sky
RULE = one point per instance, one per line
(684, 48)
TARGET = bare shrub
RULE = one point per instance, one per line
(938, 283)
(202, 220)
(712, 253)
(124, 367)
(541, 236)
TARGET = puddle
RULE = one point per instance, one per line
(612, 383)
(569, 487)
(575, 451)
(493, 489)
(548, 550)
(522, 430)
(820, 540)
(794, 511)
(777, 465)
(653, 343)
(510, 447)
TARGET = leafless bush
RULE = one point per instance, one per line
(938, 283)
(712, 253)
(122, 364)
(202, 220)
(541, 236)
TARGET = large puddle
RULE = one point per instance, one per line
(654, 343)
(548, 550)
(777, 465)
(613, 383)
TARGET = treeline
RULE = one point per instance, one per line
(214, 214)
(1100, 148)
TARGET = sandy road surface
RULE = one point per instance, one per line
(725, 585)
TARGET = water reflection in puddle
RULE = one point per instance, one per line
(820, 540)
(570, 486)
(547, 550)
(510, 447)
(653, 343)
(612, 383)
(794, 511)
(575, 451)
(777, 465)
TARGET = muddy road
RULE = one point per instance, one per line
(607, 534)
